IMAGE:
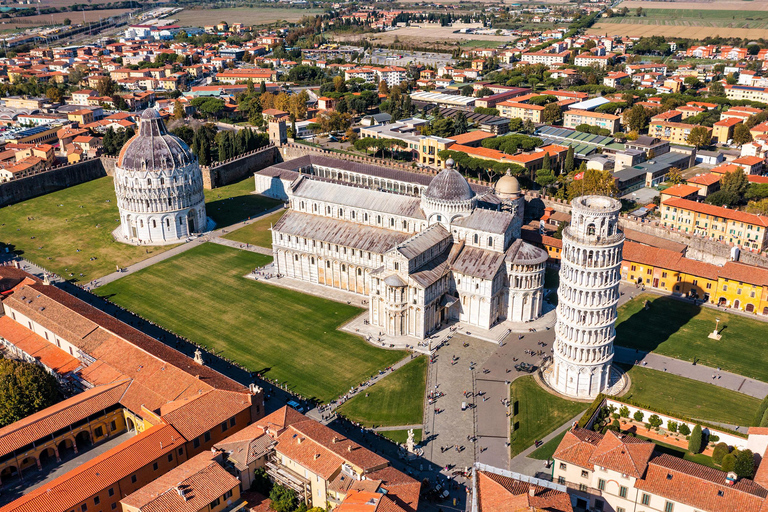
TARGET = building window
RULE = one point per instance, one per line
(133, 479)
(196, 443)
(584, 474)
(561, 480)
(669, 506)
(232, 421)
(207, 436)
(623, 491)
(111, 491)
(224, 426)
(83, 507)
(563, 466)
(215, 503)
(181, 451)
(583, 487)
(98, 431)
(170, 457)
(601, 484)
(96, 500)
(154, 466)
(646, 499)
(112, 426)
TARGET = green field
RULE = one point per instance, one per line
(282, 334)
(678, 329)
(538, 413)
(257, 232)
(49, 230)
(690, 398)
(695, 18)
(400, 436)
(397, 400)
(235, 203)
(545, 451)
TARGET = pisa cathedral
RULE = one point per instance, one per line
(159, 187)
(423, 249)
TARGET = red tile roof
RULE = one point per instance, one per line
(498, 493)
(717, 211)
(705, 179)
(681, 190)
(624, 454)
(38, 347)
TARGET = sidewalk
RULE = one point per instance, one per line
(697, 372)
(521, 462)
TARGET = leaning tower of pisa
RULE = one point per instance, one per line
(587, 297)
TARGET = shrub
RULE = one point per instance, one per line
(760, 412)
(615, 425)
(729, 462)
(713, 438)
(694, 442)
(672, 426)
(684, 429)
(624, 411)
(638, 416)
(720, 451)
(647, 426)
(745, 464)
(655, 421)
(597, 402)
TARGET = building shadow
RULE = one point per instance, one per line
(647, 329)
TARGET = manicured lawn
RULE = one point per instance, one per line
(400, 436)
(537, 413)
(397, 400)
(545, 451)
(283, 334)
(49, 230)
(679, 329)
(691, 398)
(257, 232)
(236, 202)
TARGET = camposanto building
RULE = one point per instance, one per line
(159, 186)
(425, 249)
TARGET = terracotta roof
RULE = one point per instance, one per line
(744, 273)
(465, 138)
(198, 414)
(201, 480)
(101, 472)
(717, 211)
(681, 190)
(577, 447)
(498, 493)
(625, 454)
(51, 419)
(38, 347)
(699, 486)
(748, 160)
(757, 179)
(705, 179)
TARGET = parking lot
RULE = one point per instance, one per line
(404, 58)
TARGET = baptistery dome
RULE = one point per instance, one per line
(159, 186)
(448, 196)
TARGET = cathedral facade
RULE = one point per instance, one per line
(425, 250)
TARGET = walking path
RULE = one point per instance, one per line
(697, 372)
(242, 246)
(399, 427)
(522, 463)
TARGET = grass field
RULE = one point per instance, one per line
(690, 398)
(257, 233)
(679, 329)
(236, 202)
(245, 15)
(50, 229)
(396, 400)
(283, 334)
(401, 436)
(537, 413)
(716, 5)
(695, 17)
(686, 32)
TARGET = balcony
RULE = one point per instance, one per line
(284, 476)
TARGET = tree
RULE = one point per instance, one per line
(383, 88)
(716, 89)
(485, 91)
(54, 94)
(460, 124)
(262, 88)
(735, 182)
(655, 421)
(636, 118)
(695, 440)
(106, 86)
(570, 164)
(178, 110)
(67, 21)
(722, 198)
(729, 462)
(283, 499)
(352, 135)
(624, 411)
(552, 113)
(745, 464)
(639, 415)
(760, 412)
(559, 235)
(720, 451)
(25, 388)
(700, 136)
(672, 426)
(741, 134)
(593, 181)
(545, 177)
(675, 176)
(684, 429)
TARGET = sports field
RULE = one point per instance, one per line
(245, 15)
(70, 231)
(678, 329)
(690, 398)
(282, 334)
(397, 400)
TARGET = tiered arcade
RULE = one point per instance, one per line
(587, 298)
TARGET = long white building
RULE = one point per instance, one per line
(425, 250)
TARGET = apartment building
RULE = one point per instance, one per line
(546, 58)
(675, 133)
(716, 222)
(573, 118)
(524, 111)
(745, 92)
(591, 60)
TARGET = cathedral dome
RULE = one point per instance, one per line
(507, 185)
(449, 185)
(153, 148)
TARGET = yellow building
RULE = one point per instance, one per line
(715, 222)
(81, 117)
(429, 148)
(676, 133)
(524, 111)
(722, 131)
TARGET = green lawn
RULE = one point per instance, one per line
(538, 412)
(675, 451)
(695, 17)
(397, 400)
(286, 335)
(687, 397)
(257, 232)
(545, 451)
(400, 436)
(49, 230)
(236, 202)
(678, 329)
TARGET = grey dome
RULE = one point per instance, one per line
(449, 185)
(153, 148)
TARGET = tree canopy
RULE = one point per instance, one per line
(25, 388)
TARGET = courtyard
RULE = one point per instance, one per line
(679, 329)
(281, 334)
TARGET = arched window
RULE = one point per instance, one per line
(353, 214)
(476, 238)
(359, 272)
(341, 212)
(302, 205)
(343, 268)
(162, 181)
(392, 222)
(149, 181)
(378, 219)
(405, 224)
(591, 229)
(314, 207)
(168, 222)
(365, 217)
(295, 257)
(490, 241)
(154, 223)
(327, 264)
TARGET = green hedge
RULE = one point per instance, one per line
(599, 399)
